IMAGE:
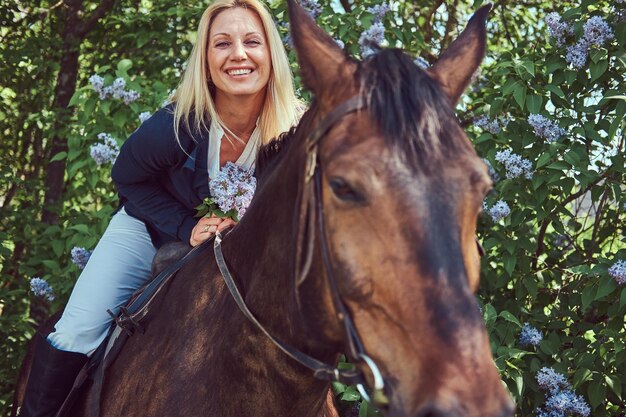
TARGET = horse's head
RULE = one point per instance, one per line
(401, 189)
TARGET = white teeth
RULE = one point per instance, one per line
(239, 72)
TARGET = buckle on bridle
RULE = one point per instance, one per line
(378, 397)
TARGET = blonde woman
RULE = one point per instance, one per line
(236, 94)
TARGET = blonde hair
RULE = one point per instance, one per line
(193, 99)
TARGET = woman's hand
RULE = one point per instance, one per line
(206, 228)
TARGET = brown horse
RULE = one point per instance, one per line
(399, 188)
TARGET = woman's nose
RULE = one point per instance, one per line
(239, 52)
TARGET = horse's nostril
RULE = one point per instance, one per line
(430, 411)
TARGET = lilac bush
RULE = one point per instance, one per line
(41, 288)
(106, 151)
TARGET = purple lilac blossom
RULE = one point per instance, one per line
(379, 11)
(312, 7)
(577, 54)
(421, 63)
(618, 272)
(568, 403)
(491, 171)
(115, 90)
(558, 30)
(371, 39)
(129, 96)
(552, 381)
(529, 336)
(499, 211)
(233, 189)
(485, 123)
(514, 164)
(80, 256)
(340, 43)
(545, 128)
(597, 31)
(97, 82)
(144, 116)
(41, 288)
(106, 151)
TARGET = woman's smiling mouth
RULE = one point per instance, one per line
(239, 71)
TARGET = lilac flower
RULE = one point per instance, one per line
(80, 256)
(545, 128)
(568, 403)
(421, 63)
(577, 54)
(106, 151)
(551, 413)
(491, 171)
(491, 126)
(371, 39)
(618, 272)
(97, 82)
(529, 336)
(144, 116)
(129, 96)
(597, 31)
(41, 288)
(515, 165)
(233, 189)
(340, 43)
(558, 30)
(312, 7)
(499, 211)
(552, 381)
(379, 11)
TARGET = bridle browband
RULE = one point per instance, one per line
(311, 214)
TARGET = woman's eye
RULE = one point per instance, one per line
(221, 44)
(253, 42)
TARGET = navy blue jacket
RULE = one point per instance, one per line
(160, 183)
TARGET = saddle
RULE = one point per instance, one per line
(167, 262)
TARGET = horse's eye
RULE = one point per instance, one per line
(344, 191)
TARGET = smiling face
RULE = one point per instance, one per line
(238, 54)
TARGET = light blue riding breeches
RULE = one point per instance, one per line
(118, 266)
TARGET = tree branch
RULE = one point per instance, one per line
(89, 23)
(428, 30)
(547, 221)
(346, 6)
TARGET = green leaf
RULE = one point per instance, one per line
(59, 157)
(124, 65)
(533, 103)
(597, 69)
(510, 318)
(597, 393)
(519, 94)
(615, 384)
(543, 160)
(589, 294)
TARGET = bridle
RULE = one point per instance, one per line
(311, 214)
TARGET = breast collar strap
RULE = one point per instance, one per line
(311, 214)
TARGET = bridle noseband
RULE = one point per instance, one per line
(312, 214)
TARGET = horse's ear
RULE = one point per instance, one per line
(456, 65)
(322, 61)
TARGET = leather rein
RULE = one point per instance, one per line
(311, 217)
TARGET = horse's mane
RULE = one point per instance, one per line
(410, 109)
(408, 106)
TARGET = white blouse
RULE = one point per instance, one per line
(247, 158)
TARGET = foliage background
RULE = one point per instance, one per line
(547, 261)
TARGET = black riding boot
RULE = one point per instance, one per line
(52, 375)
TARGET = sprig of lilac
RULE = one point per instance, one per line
(529, 336)
(312, 7)
(41, 288)
(498, 211)
(618, 272)
(493, 126)
(560, 399)
(105, 151)
(515, 165)
(558, 29)
(231, 190)
(545, 128)
(116, 90)
(80, 256)
(371, 39)
(144, 116)
(379, 11)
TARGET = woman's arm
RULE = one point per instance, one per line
(149, 153)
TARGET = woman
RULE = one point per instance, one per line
(236, 94)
